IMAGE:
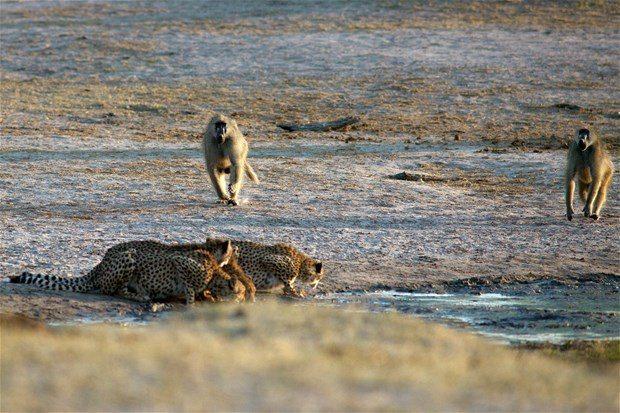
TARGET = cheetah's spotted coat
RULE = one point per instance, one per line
(268, 266)
(145, 274)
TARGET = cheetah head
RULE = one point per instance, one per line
(223, 251)
(224, 287)
(311, 271)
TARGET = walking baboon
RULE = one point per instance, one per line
(225, 152)
(589, 162)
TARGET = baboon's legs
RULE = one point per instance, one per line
(219, 183)
(583, 188)
(570, 189)
(601, 197)
(237, 172)
(595, 185)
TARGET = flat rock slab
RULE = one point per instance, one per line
(418, 176)
(321, 126)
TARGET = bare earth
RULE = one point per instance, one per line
(101, 111)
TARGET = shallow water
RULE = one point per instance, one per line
(86, 320)
(541, 311)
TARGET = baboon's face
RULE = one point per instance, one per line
(584, 139)
(220, 131)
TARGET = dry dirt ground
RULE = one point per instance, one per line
(102, 104)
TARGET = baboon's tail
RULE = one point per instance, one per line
(53, 282)
(250, 173)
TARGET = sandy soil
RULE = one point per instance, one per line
(100, 113)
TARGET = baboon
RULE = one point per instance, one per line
(589, 162)
(225, 151)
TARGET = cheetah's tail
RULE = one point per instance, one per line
(53, 282)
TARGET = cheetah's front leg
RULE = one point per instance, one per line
(190, 295)
(290, 290)
(188, 274)
(283, 269)
(130, 292)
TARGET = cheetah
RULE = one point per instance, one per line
(269, 266)
(160, 276)
(276, 266)
(228, 287)
(225, 284)
(145, 277)
(144, 249)
(107, 277)
(234, 270)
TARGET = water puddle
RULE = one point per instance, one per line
(87, 320)
(541, 311)
(155, 312)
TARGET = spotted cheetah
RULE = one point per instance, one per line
(160, 276)
(276, 266)
(107, 277)
(229, 287)
(269, 266)
(145, 277)
(144, 249)
(234, 270)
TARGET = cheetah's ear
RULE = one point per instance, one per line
(318, 267)
(226, 253)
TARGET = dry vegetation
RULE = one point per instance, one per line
(274, 356)
(593, 351)
(417, 107)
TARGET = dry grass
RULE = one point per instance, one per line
(274, 356)
(85, 70)
(291, 17)
(145, 111)
(45, 96)
(592, 351)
